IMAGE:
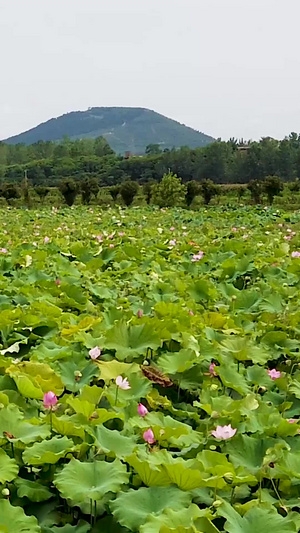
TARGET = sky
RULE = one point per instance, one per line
(229, 68)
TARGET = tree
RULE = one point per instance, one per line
(114, 191)
(256, 189)
(273, 186)
(153, 149)
(10, 191)
(128, 191)
(148, 190)
(170, 191)
(208, 189)
(42, 192)
(69, 189)
(88, 187)
(192, 190)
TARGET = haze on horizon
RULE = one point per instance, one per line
(224, 67)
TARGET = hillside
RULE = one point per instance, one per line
(125, 129)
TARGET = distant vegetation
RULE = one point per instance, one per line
(48, 163)
(125, 128)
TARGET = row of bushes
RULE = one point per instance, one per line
(167, 193)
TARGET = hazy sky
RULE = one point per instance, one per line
(225, 67)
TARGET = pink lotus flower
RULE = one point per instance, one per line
(122, 383)
(212, 370)
(3, 250)
(295, 254)
(46, 240)
(234, 229)
(224, 432)
(99, 238)
(94, 353)
(274, 374)
(49, 400)
(57, 282)
(172, 228)
(140, 313)
(172, 242)
(148, 436)
(197, 257)
(191, 312)
(142, 410)
(111, 236)
(121, 233)
(292, 420)
(287, 237)
(111, 245)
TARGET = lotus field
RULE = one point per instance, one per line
(149, 370)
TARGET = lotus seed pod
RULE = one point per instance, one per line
(228, 477)
(214, 387)
(217, 503)
(213, 447)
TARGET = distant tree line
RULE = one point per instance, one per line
(48, 163)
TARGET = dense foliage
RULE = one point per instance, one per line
(47, 163)
(149, 371)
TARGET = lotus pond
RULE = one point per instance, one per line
(149, 371)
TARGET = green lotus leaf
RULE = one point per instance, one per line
(82, 481)
(109, 370)
(48, 451)
(12, 422)
(82, 527)
(256, 519)
(151, 475)
(248, 451)
(34, 379)
(131, 509)
(8, 467)
(131, 341)
(14, 520)
(65, 426)
(173, 520)
(112, 442)
(68, 371)
(34, 491)
(171, 363)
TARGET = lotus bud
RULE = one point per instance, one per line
(145, 362)
(5, 492)
(228, 477)
(288, 362)
(215, 414)
(233, 297)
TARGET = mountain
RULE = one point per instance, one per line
(125, 128)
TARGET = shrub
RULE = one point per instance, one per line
(42, 192)
(114, 191)
(10, 191)
(208, 189)
(169, 192)
(273, 186)
(256, 189)
(128, 191)
(69, 189)
(88, 187)
(148, 191)
(192, 190)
